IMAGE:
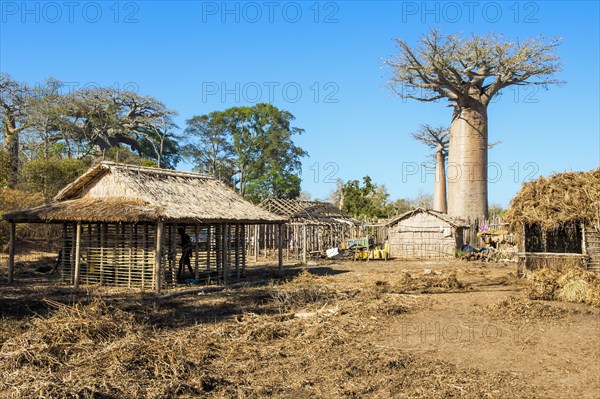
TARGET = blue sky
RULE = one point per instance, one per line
(323, 62)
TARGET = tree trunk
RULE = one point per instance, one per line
(11, 146)
(439, 189)
(467, 162)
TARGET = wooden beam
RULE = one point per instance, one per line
(77, 255)
(158, 256)
(280, 245)
(11, 252)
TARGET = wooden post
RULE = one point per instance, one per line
(225, 253)
(280, 245)
(256, 245)
(144, 255)
(158, 256)
(243, 249)
(304, 243)
(237, 251)
(77, 253)
(287, 242)
(11, 252)
(208, 245)
(196, 250)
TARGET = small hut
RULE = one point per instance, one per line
(312, 226)
(557, 220)
(120, 226)
(424, 234)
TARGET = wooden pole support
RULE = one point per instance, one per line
(225, 253)
(196, 250)
(304, 244)
(77, 255)
(11, 252)
(280, 245)
(158, 256)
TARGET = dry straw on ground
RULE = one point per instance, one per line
(308, 338)
(569, 285)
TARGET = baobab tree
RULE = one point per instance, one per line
(13, 120)
(469, 73)
(438, 138)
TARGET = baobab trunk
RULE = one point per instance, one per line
(439, 189)
(467, 162)
(11, 147)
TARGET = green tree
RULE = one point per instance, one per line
(367, 201)
(250, 147)
(470, 72)
(210, 149)
(49, 176)
(98, 119)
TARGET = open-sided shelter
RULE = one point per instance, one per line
(312, 226)
(120, 226)
(558, 220)
(424, 234)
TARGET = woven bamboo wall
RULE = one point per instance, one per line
(123, 254)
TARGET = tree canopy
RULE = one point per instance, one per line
(477, 67)
(251, 148)
(367, 201)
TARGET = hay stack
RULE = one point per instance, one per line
(543, 284)
(558, 199)
(570, 285)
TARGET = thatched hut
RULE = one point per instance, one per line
(424, 234)
(120, 226)
(312, 226)
(557, 220)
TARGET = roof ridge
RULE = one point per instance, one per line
(158, 171)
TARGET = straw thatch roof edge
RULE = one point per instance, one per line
(556, 200)
(457, 223)
(140, 194)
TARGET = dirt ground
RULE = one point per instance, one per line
(373, 329)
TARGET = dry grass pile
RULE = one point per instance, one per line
(519, 309)
(555, 200)
(95, 351)
(543, 284)
(311, 344)
(569, 285)
(303, 290)
(421, 284)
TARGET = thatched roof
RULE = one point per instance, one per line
(558, 199)
(457, 223)
(313, 212)
(112, 192)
